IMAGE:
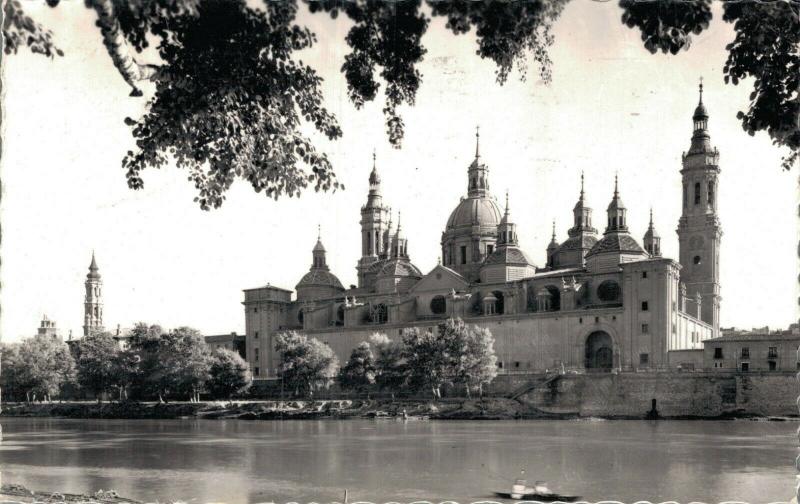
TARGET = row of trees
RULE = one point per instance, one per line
(155, 363)
(453, 353)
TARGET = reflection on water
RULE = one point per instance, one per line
(239, 461)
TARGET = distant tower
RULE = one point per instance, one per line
(699, 230)
(652, 240)
(48, 329)
(93, 303)
(374, 226)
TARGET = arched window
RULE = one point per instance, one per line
(609, 291)
(697, 193)
(438, 305)
(300, 316)
(340, 315)
(555, 297)
(499, 305)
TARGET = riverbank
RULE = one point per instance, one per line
(447, 409)
(19, 493)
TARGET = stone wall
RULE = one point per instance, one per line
(676, 394)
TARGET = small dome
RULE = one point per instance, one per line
(374, 178)
(93, 270)
(616, 242)
(320, 278)
(399, 267)
(512, 256)
(582, 241)
(319, 247)
(481, 211)
(700, 112)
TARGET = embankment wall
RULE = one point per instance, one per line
(675, 394)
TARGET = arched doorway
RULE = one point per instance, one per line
(599, 351)
(499, 306)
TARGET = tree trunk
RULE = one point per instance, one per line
(117, 46)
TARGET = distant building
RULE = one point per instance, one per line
(47, 328)
(601, 302)
(748, 351)
(233, 342)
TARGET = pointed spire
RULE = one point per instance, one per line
(554, 230)
(374, 178)
(616, 185)
(701, 90)
(581, 186)
(651, 217)
(506, 203)
(93, 269)
(477, 141)
(319, 232)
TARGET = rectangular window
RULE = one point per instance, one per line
(255, 336)
(644, 359)
(463, 254)
(516, 364)
(644, 274)
(717, 353)
(489, 249)
(745, 353)
(255, 354)
(256, 371)
(645, 328)
(773, 365)
(644, 306)
(745, 367)
(500, 364)
(772, 353)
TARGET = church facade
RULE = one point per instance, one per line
(601, 301)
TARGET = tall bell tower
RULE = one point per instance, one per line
(699, 230)
(374, 227)
(93, 302)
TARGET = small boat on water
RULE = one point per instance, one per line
(539, 492)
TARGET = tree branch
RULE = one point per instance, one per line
(117, 47)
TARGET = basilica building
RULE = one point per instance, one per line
(600, 302)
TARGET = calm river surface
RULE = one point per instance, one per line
(261, 461)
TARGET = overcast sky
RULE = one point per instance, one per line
(611, 107)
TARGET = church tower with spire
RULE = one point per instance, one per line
(374, 227)
(699, 230)
(93, 302)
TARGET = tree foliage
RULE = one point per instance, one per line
(232, 100)
(96, 363)
(390, 367)
(229, 374)
(359, 371)
(305, 364)
(44, 365)
(452, 353)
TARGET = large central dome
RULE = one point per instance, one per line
(471, 231)
(478, 211)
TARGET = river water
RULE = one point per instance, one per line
(382, 460)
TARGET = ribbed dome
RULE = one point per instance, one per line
(399, 267)
(582, 241)
(481, 211)
(616, 242)
(508, 255)
(320, 278)
(318, 247)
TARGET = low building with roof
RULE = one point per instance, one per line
(751, 351)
